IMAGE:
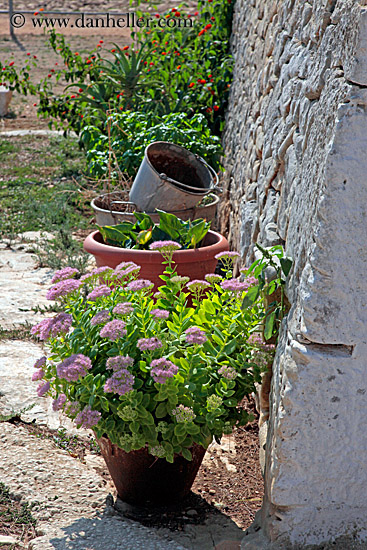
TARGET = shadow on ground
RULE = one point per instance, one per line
(191, 525)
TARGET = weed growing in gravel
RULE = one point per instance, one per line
(61, 251)
(15, 517)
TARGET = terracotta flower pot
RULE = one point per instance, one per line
(141, 478)
(194, 263)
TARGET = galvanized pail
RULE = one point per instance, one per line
(171, 178)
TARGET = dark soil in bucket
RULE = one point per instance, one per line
(177, 169)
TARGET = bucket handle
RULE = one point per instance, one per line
(213, 172)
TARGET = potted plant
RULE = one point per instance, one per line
(130, 241)
(154, 378)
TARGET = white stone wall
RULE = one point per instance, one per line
(296, 174)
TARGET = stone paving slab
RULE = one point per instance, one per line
(71, 507)
(23, 286)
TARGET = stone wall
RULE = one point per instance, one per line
(296, 168)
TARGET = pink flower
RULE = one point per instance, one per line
(43, 389)
(41, 362)
(59, 402)
(53, 327)
(38, 375)
(113, 330)
(119, 362)
(226, 255)
(149, 344)
(228, 372)
(162, 369)
(235, 285)
(74, 367)
(139, 284)
(123, 308)
(87, 418)
(100, 318)
(197, 285)
(121, 382)
(194, 335)
(65, 273)
(165, 246)
(160, 313)
(62, 288)
(99, 292)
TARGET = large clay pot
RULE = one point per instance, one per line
(143, 479)
(194, 263)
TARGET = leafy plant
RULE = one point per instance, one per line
(144, 232)
(149, 370)
(132, 131)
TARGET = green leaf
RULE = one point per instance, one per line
(208, 306)
(180, 430)
(286, 264)
(269, 324)
(251, 296)
(144, 236)
(161, 410)
(186, 453)
(230, 347)
(192, 428)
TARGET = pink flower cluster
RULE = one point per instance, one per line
(140, 284)
(65, 273)
(124, 308)
(226, 255)
(228, 372)
(160, 313)
(114, 330)
(165, 246)
(52, 327)
(41, 362)
(43, 389)
(100, 318)
(197, 286)
(62, 288)
(38, 375)
(74, 366)
(149, 344)
(194, 335)
(102, 290)
(162, 369)
(121, 382)
(87, 418)
(126, 268)
(234, 285)
(59, 402)
(119, 362)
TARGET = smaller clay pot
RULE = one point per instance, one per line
(143, 479)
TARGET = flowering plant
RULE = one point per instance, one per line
(162, 370)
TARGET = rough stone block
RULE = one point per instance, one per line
(5, 98)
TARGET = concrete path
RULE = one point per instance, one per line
(76, 508)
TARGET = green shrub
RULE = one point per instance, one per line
(131, 132)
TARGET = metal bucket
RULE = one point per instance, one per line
(171, 178)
